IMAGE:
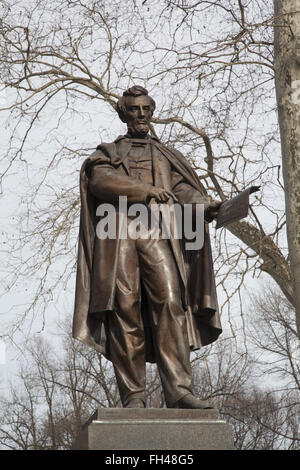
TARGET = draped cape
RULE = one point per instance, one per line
(98, 258)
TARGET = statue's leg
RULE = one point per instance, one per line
(161, 281)
(126, 334)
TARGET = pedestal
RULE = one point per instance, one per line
(155, 429)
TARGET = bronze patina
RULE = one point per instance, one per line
(140, 300)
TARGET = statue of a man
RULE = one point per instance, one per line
(144, 299)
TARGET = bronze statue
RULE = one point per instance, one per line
(141, 300)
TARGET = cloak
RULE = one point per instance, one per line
(103, 174)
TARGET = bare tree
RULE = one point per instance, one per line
(274, 334)
(287, 74)
(52, 397)
(262, 420)
(275, 338)
(210, 68)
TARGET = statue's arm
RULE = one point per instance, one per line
(107, 184)
(187, 194)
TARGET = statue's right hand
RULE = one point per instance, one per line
(160, 194)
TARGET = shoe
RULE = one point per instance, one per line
(191, 402)
(135, 403)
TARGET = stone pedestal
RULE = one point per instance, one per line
(155, 429)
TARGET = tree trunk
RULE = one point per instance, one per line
(287, 80)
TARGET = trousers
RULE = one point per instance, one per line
(150, 262)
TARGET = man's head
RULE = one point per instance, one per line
(136, 109)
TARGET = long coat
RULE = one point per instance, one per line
(104, 176)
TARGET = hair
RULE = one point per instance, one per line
(134, 91)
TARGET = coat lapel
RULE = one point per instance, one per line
(123, 147)
(161, 169)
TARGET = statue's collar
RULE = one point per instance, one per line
(128, 138)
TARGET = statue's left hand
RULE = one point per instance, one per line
(211, 212)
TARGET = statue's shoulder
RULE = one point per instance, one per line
(101, 154)
(175, 153)
(109, 149)
(103, 150)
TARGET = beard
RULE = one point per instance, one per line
(138, 128)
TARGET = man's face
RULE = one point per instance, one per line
(138, 115)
